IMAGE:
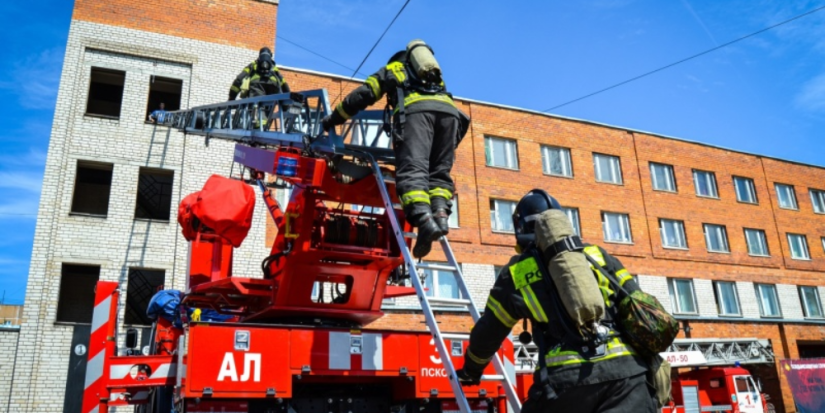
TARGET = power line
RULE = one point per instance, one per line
(374, 46)
(684, 60)
(316, 54)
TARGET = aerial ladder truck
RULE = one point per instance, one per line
(297, 341)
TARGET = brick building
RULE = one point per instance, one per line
(733, 242)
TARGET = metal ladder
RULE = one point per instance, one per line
(426, 301)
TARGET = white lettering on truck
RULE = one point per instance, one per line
(228, 367)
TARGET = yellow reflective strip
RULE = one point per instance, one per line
(414, 196)
(477, 359)
(235, 88)
(525, 272)
(624, 276)
(596, 253)
(397, 69)
(500, 313)
(533, 304)
(444, 193)
(416, 97)
(245, 84)
(256, 77)
(341, 111)
(570, 357)
(372, 82)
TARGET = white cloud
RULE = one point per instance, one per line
(34, 158)
(35, 79)
(812, 95)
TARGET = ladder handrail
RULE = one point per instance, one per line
(429, 317)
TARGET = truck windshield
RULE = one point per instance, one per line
(743, 385)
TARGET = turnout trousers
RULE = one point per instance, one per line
(628, 395)
(424, 155)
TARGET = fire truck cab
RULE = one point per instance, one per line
(719, 389)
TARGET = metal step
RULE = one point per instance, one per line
(436, 267)
(455, 336)
(450, 301)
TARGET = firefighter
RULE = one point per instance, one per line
(604, 375)
(259, 78)
(425, 131)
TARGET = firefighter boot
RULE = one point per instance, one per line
(428, 232)
(441, 213)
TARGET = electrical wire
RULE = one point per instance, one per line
(317, 54)
(682, 60)
(374, 46)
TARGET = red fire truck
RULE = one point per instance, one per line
(298, 340)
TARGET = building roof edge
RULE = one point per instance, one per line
(570, 118)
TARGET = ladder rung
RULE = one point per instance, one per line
(410, 235)
(492, 377)
(451, 301)
(437, 267)
(455, 336)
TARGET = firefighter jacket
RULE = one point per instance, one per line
(251, 83)
(520, 292)
(392, 80)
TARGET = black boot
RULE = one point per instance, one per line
(442, 219)
(428, 232)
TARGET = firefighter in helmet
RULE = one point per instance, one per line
(259, 78)
(426, 129)
(604, 375)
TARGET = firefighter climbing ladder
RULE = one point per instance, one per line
(292, 119)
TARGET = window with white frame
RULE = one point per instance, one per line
(768, 300)
(799, 247)
(818, 200)
(608, 168)
(453, 220)
(662, 177)
(705, 183)
(787, 196)
(556, 161)
(727, 299)
(745, 191)
(501, 215)
(500, 152)
(616, 227)
(673, 233)
(810, 302)
(716, 238)
(441, 284)
(573, 216)
(682, 296)
(757, 243)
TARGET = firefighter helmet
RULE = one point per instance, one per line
(533, 203)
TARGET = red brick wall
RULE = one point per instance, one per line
(241, 23)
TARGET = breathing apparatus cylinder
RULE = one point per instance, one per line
(422, 61)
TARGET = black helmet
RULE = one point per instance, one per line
(399, 56)
(533, 203)
(265, 61)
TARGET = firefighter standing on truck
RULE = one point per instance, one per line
(259, 78)
(426, 129)
(573, 377)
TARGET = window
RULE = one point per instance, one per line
(92, 186)
(501, 215)
(556, 161)
(716, 238)
(143, 284)
(662, 177)
(673, 233)
(768, 300)
(727, 299)
(705, 183)
(163, 90)
(745, 191)
(616, 227)
(105, 92)
(681, 295)
(154, 194)
(573, 216)
(283, 191)
(77, 293)
(818, 200)
(441, 283)
(608, 168)
(757, 243)
(453, 221)
(787, 196)
(799, 247)
(810, 302)
(501, 152)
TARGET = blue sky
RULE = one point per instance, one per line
(764, 95)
